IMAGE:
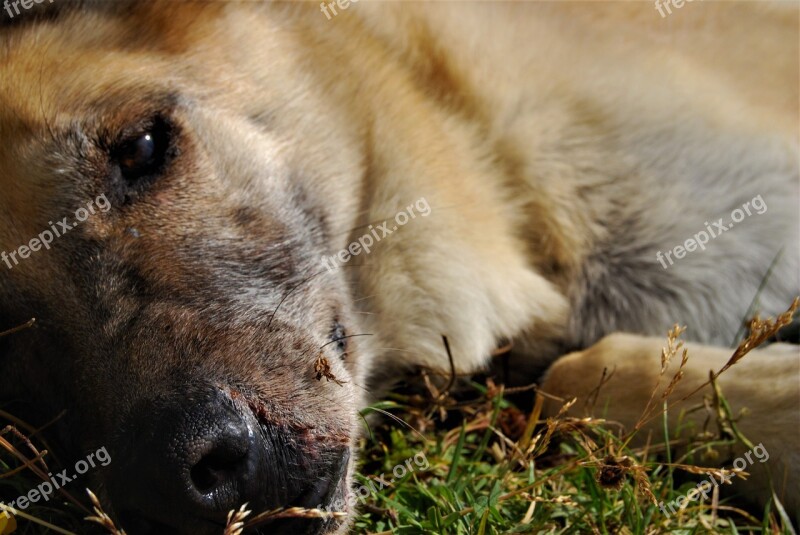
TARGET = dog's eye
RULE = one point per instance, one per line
(339, 336)
(145, 154)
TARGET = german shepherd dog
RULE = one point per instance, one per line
(205, 204)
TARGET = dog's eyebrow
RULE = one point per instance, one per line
(119, 116)
(148, 101)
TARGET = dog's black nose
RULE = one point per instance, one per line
(186, 465)
(214, 455)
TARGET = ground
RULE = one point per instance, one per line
(470, 457)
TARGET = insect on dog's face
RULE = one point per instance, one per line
(187, 324)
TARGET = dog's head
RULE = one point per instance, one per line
(170, 182)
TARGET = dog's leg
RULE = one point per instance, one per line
(765, 382)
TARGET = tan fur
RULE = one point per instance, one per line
(559, 145)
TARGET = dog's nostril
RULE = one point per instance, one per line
(198, 457)
(217, 468)
(217, 446)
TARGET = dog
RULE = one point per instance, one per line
(232, 220)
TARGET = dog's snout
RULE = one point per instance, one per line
(206, 454)
(193, 460)
(190, 461)
(215, 455)
(223, 462)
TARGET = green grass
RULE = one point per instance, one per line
(479, 482)
(477, 459)
(476, 478)
(495, 468)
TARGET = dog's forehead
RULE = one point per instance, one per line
(53, 109)
(58, 81)
(58, 91)
(153, 24)
(77, 60)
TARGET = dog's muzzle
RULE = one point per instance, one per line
(185, 463)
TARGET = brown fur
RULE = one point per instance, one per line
(549, 149)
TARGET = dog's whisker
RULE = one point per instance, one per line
(290, 292)
(398, 420)
(344, 338)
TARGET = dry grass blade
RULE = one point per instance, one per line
(552, 424)
(26, 463)
(452, 380)
(674, 345)
(100, 517)
(33, 519)
(724, 475)
(235, 525)
(533, 418)
(31, 464)
(594, 394)
(31, 430)
(760, 331)
(291, 512)
(678, 375)
(24, 326)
